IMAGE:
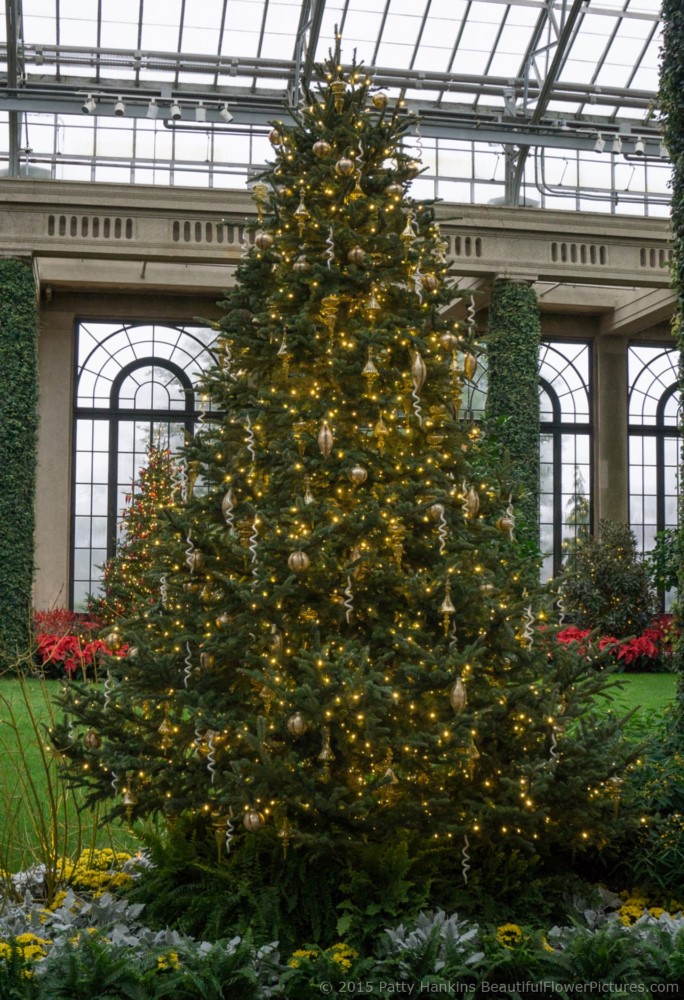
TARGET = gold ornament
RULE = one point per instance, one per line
(133, 653)
(308, 495)
(264, 241)
(298, 429)
(129, 800)
(458, 696)
(356, 255)
(195, 561)
(301, 214)
(358, 475)
(223, 620)
(408, 235)
(413, 168)
(326, 439)
(301, 264)
(373, 308)
(321, 148)
(219, 824)
(506, 525)
(91, 740)
(165, 728)
(283, 192)
(298, 561)
(260, 195)
(418, 372)
(448, 341)
(329, 308)
(435, 511)
(338, 88)
(397, 531)
(113, 642)
(395, 191)
(253, 820)
(379, 101)
(357, 191)
(207, 660)
(471, 504)
(469, 366)
(285, 833)
(344, 166)
(380, 431)
(297, 724)
(275, 138)
(446, 608)
(326, 756)
(430, 281)
(369, 370)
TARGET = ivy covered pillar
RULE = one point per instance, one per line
(18, 436)
(672, 108)
(513, 391)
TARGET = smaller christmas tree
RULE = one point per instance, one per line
(134, 579)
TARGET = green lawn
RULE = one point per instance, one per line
(39, 817)
(645, 692)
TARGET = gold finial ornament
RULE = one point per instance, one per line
(326, 756)
(446, 608)
(326, 439)
(458, 696)
(408, 235)
(338, 88)
(301, 214)
(469, 366)
(260, 195)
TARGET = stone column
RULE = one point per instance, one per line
(611, 455)
(55, 455)
(513, 390)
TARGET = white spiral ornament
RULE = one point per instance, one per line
(253, 542)
(115, 782)
(107, 691)
(187, 673)
(245, 246)
(163, 591)
(227, 509)
(230, 835)
(553, 752)
(250, 440)
(418, 376)
(452, 635)
(211, 755)
(528, 631)
(418, 282)
(470, 319)
(180, 478)
(201, 422)
(348, 600)
(329, 249)
(465, 859)
(199, 738)
(189, 552)
(561, 610)
(442, 533)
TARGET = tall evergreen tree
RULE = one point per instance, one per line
(134, 578)
(352, 654)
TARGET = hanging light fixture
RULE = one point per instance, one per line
(89, 105)
(119, 108)
(617, 145)
(152, 109)
(175, 111)
(225, 115)
(639, 147)
(600, 143)
(200, 113)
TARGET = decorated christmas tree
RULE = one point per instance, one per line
(354, 660)
(149, 549)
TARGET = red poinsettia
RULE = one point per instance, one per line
(65, 640)
(653, 643)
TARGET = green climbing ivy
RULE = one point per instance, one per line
(513, 391)
(672, 112)
(18, 436)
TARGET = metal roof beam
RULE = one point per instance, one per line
(546, 94)
(12, 16)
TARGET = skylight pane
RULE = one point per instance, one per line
(40, 30)
(240, 43)
(394, 55)
(200, 40)
(161, 12)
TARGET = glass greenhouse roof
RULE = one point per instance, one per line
(520, 76)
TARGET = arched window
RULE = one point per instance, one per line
(654, 441)
(135, 387)
(564, 448)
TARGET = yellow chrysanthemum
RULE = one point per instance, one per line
(509, 935)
